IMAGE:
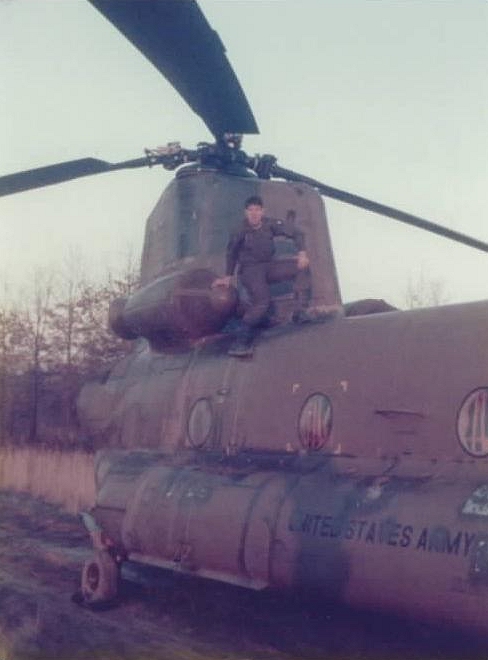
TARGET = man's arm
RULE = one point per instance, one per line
(278, 228)
(233, 247)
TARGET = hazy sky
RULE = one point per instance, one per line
(384, 98)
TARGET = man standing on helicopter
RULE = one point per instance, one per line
(252, 249)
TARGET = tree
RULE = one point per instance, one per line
(14, 361)
(54, 336)
(38, 315)
(424, 292)
(66, 329)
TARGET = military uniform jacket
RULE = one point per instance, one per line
(254, 246)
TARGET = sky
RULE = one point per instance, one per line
(387, 99)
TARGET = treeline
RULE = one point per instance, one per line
(54, 336)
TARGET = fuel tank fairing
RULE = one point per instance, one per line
(371, 533)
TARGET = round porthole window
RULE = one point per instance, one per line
(472, 423)
(315, 422)
(200, 423)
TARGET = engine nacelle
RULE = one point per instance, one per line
(174, 309)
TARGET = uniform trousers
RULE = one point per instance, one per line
(257, 278)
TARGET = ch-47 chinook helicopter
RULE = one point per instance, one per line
(348, 457)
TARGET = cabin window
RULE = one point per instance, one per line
(200, 423)
(315, 422)
(472, 423)
(187, 240)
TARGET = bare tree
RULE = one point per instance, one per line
(14, 360)
(67, 326)
(424, 292)
(53, 336)
(100, 346)
(125, 277)
(38, 315)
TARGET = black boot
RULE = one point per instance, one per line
(243, 344)
(302, 316)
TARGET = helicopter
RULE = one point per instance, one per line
(347, 458)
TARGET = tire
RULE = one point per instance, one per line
(99, 578)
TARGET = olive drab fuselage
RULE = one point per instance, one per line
(347, 457)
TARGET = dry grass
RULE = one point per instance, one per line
(61, 477)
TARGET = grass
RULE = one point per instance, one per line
(61, 477)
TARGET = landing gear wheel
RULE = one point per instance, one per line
(99, 579)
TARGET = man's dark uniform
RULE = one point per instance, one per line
(252, 250)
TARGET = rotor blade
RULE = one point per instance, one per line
(51, 174)
(381, 209)
(176, 38)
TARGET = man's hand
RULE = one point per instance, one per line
(302, 260)
(222, 281)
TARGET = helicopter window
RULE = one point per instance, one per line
(315, 421)
(472, 423)
(200, 423)
(169, 237)
(187, 242)
(187, 238)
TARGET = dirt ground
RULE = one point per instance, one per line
(41, 553)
